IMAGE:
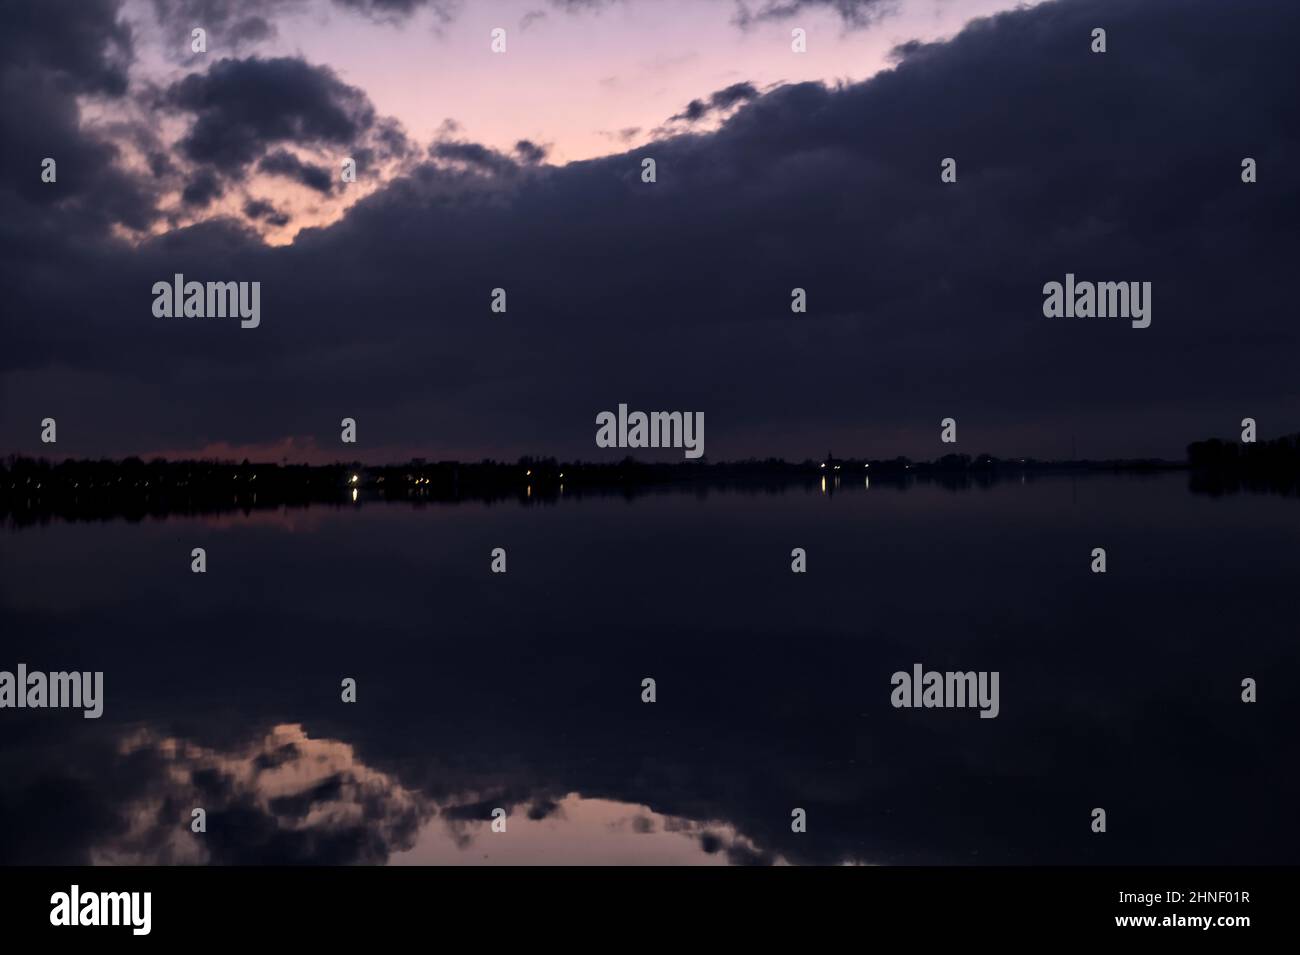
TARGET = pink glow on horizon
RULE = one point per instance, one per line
(305, 449)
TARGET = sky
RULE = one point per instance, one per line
(522, 170)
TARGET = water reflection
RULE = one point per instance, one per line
(522, 690)
(286, 798)
(578, 831)
(282, 797)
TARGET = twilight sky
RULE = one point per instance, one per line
(522, 170)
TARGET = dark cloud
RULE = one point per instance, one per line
(242, 107)
(247, 113)
(259, 210)
(386, 141)
(720, 101)
(855, 14)
(234, 26)
(903, 50)
(82, 43)
(281, 162)
(230, 25)
(50, 55)
(476, 156)
(202, 189)
(924, 298)
(529, 152)
(250, 31)
(389, 139)
(160, 164)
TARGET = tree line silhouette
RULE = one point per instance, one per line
(1225, 467)
(33, 490)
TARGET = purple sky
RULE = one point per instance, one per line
(581, 79)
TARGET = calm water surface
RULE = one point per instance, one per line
(523, 691)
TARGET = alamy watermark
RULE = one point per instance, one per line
(658, 429)
(74, 907)
(948, 689)
(1073, 299)
(181, 299)
(59, 690)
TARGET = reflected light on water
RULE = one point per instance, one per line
(317, 800)
(581, 831)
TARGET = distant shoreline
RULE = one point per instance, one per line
(32, 489)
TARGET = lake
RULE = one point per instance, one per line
(523, 691)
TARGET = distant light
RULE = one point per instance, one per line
(823, 464)
(528, 473)
(354, 494)
(355, 479)
(561, 474)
